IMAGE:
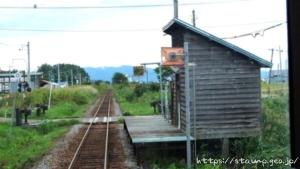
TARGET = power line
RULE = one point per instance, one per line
(78, 31)
(120, 30)
(255, 33)
(35, 6)
(244, 24)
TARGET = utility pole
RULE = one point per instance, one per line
(270, 71)
(187, 105)
(176, 9)
(79, 78)
(28, 62)
(58, 74)
(146, 74)
(280, 65)
(67, 80)
(194, 18)
(72, 77)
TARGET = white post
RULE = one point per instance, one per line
(58, 74)
(166, 102)
(50, 94)
(161, 91)
(28, 62)
(187, 105)
(72, 77)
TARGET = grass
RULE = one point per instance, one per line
(271, 144)
(63, 110)
(22, 146)
(68, 102)
(134, 104)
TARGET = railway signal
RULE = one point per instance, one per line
(23, 86)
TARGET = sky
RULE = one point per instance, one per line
(110, 36)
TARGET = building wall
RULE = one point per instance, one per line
(227, 91)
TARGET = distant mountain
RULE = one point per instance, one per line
(106, 73)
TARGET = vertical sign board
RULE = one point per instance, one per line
(172, 56)
(138, 70)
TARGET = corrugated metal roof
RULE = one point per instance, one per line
(220, 41)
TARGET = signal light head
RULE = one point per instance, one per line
(28, 89)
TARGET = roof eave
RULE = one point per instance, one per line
(259, 60)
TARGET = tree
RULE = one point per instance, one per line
(47, 72)
(119, 78)
(166, 73)
(67, 72)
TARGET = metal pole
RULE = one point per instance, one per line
(194, 18)
(79, 78)
(187, 105)
(194, 112)
(147, 74)
(50, 94)
(161, 91)
(166, 101)
(58, 74)
(72, 77)
(270, 72)
(67, 80)
(176, 9)
(280, 64)
(28, 62)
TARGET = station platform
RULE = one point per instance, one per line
(152, 129)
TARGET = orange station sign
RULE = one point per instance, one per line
(172, 56)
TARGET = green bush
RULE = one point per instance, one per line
(20, 147)
(273, 143)
(47, 127)
(130, 103)
(65, 102)
(139, 90)
(154, 87)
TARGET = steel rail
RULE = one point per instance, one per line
(85, 135)
(107, 134)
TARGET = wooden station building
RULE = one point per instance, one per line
(224, 90)
(224, 83)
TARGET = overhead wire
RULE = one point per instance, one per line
(255, 33)
(119, 30)
(35, 6)
(77, 31)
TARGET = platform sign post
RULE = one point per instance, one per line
(161, 91)
(187, 105)
(171, 57)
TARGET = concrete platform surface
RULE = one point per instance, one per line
(152, 129)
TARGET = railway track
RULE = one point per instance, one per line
(100, 145)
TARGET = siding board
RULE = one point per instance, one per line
(227, 91)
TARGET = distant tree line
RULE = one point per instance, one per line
(68, 73)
